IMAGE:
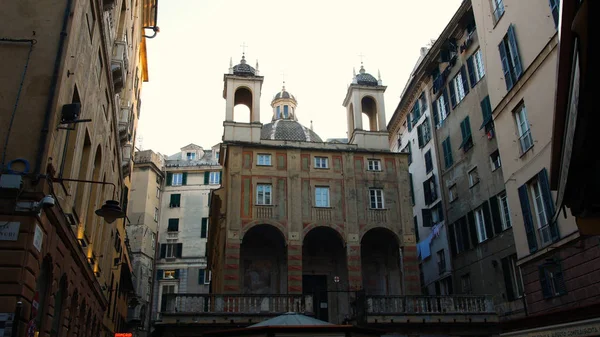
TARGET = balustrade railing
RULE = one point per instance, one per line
(411, 305)
(264, 211)
(322, 214)
(377, 215)
(241, 304)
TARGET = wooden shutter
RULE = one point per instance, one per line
(467, 122)
(465, 81)
(176, 276)
(169, 178)
(452, 238)
(489, 231)
(514, 51)
(464, 241)
(206, 178)
(426, 192)
(452, 88)
(173, 225)
(527, 219)
(426, 213)
(445, 94)
(412, 189)
(472, 229)
(163, 251)
(510, 292)
(471, 70)
(220, 177)
(486, 111)
(200, 276)
(204, 228)
(160, 273)
(179, 249)
(548, 203)
(496, 214)
(436, 118)
(184, 178)
(505, 66)
(545, 282)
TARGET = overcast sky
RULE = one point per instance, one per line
(315, 44)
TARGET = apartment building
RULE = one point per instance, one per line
(554, 258)
(411, 131)
(142, 231)
(181, 266)
(71, 76)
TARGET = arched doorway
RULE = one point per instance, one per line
(263, 258)
(380, 257)
(325, 273)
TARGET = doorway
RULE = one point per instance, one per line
(316, 285)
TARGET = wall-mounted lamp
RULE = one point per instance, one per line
(111, 210)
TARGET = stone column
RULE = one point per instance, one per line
(294, 268)
(355, 281)
(410, 271)
(231, 270)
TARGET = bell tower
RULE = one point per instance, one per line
(365, 96)
(242, 85)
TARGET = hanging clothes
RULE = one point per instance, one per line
(424, 248)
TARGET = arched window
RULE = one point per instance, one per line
(43, 281)
(278, 112)
(242, 105)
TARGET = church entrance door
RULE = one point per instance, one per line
(316, 285)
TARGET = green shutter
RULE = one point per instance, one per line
(201, 276)
(184, 178)
(169, 178)
(220, 177)
(175, 200)
(412, 189)
(206, 177)
(204, 228)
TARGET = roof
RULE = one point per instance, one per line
(244, 69)
(291, 319)
(287, 129)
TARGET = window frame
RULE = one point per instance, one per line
(190, 155)
(452, 193)
(543, 226)
(156, 214)
(318, 162)
(171, 247)
(211, 175)
(374, 165)
(325, 195)
(376, 193)
(523, 127)
(470, 176)
(263, 162)
(457, 87)
(177, 179)
(504, 211)
(465, 283)
(479, 217)
(267, 193)
(495, 164)
(441, 110)
(478, 67)
(428, 161)
(441, 257)
(497, 10)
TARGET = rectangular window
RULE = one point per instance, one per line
(169, 274)
(321, 162)
(412, 189)
(509, 56)
(204, 228)
(376, 198)
(173, 225)
(541, 216)
(465, 283)
(171, 250)
(555, 10)
(155, 214)
(322, 197)
(441, 260)
(424, 133)
(525, 138)
(407, 149)
(457, 90)
(214, 178)
(203, 276)
(480, 225)
(430, 190)
(286, 111)
(448, 161)
(473, 177)
(495, 160)
(465, 130)
(552, 279)
(177, 179)
(479, 70)
(166, 289)
(191, 155)
(441, 109)
(278, 112)
(497, 9)
(428, 162)
(158, 192)
(263, 194)
(504, 211)
(264, 160)
(512, 278)
(436, 213)
(175, 200)
(374, 165)
(217, 155)
(452, 193)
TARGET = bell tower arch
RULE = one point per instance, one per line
(242, 85)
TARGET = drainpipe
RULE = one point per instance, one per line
(57, 62)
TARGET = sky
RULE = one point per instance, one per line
(312, 45)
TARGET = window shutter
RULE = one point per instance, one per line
(505, 66)
(206, 177)
(204, 228)
(465, 82)
(496, 215)
(452, 88)
(176, 276)
(489, 232)
(177, 199)
(412, 189)
(471, 69)
(468, 126)
(179, 249)
(159, 274)
(408, 122)
(426, 213)
(184, 178)
(173, 225)
(527, 219)
(451, 230)
(436, 118)
(559, 281)
(172, 201)
(163, 251)
(169, 178)
(510, 292)
(486, 111)
(220, 177)
(548, 203)
(445, 94)
(420, 135)
(545, 282)
(464, 234)
(463, 130)
(514, 52)
(201, 276)
(472, 229)
(426, 192)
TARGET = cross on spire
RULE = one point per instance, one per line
(361, 58)
(244, 46)
(283, 78)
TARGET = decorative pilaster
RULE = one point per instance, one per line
(410, 263)
(355, 281)
(294, 268)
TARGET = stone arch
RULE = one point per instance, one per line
(368, 228)
(273, 223)
(369, 108)
(263, 260)
(243, 96)
(339, 230)
(380, 260)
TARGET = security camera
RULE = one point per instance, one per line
(47, 201)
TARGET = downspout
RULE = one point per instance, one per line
(57, 62)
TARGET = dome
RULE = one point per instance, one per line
(364, 78)
(288, 129)
(283, 94)
(244, 69)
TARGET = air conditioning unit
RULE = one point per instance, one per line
(70, 113)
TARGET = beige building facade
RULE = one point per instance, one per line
(72, 75)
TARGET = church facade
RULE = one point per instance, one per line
(297, 215)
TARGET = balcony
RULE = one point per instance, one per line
(377, 215)
(208, 308)
(264, 211)
(124, 123)
(322, 214)
(121, 53)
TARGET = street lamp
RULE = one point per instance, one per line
(111, 210)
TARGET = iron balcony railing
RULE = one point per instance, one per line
(427, 305)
